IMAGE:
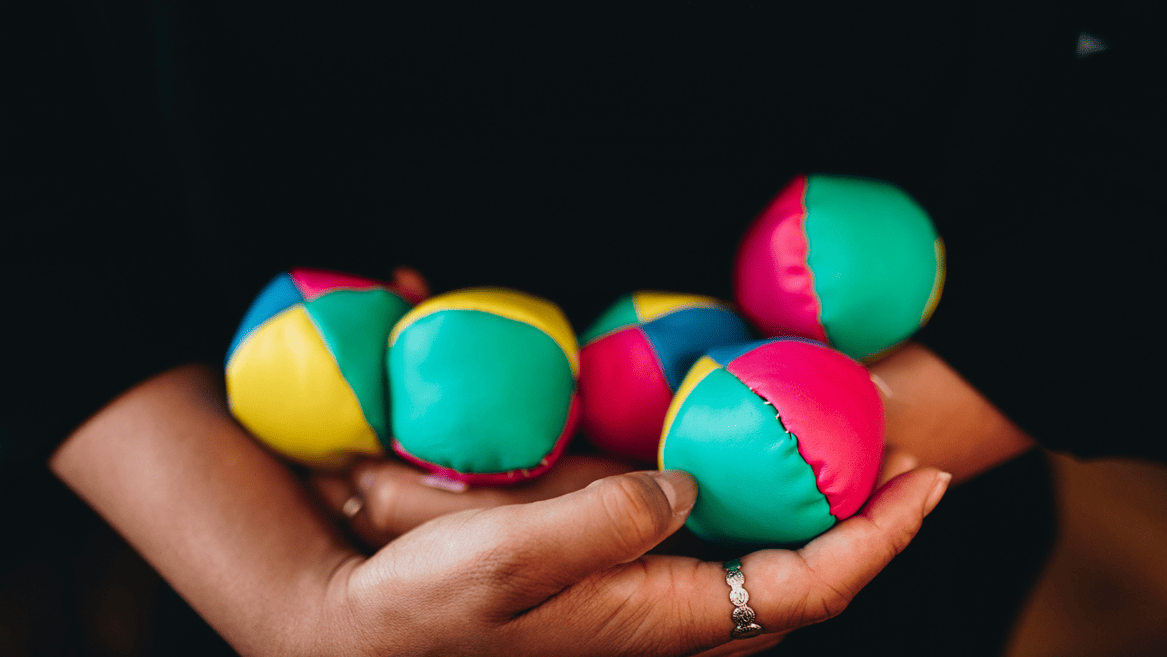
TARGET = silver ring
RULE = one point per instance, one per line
(744, 626)
(352, 506)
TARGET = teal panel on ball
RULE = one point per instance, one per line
(355, 325)
(621, 313)
(872, 250)
(754, 486)
(477, 392)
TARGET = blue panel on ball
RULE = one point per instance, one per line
(680, 338)
(280, 293)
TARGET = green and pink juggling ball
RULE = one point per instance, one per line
(784, 437)
(482, 385)
(851, 262)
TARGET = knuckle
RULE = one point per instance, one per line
(899, 540)
(833, 603)
(820, 605)
(496, 557)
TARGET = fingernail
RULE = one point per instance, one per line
(445, 483)
(938, 488)
(679, 488)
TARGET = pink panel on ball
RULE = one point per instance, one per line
(313, 283)
(773, 284)
(828, 401)
(623, 393)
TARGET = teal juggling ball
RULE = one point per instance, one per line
(483, 385)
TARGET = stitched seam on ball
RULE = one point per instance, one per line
(798, 447)
(813, 289)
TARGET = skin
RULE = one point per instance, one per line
(934, 417)
(231, 528)
(556, 567)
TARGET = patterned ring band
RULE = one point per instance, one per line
(743, 615)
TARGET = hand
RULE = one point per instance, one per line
(569, 575)
(939, 417)
(232, 529)
(394, 497)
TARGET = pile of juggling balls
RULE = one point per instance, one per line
(767, 403)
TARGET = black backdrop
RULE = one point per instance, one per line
(167, 158)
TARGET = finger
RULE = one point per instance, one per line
(559, 542)
(680, 604)
(336, 492)
(895, 463)
(836, 565)
(411, 284)
(398, 497)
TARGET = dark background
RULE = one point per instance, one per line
(165, 159)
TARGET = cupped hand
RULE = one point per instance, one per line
(569, 575)
(381, 499)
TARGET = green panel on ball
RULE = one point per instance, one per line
(872, 250)
(477, 392)
(754, 486)
(621, 313)
(355, 326)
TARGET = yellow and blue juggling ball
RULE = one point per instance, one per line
(482, 382)
(305, 371)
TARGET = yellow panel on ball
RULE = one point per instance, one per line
(512, 304)
(285, 387)
(650, 305)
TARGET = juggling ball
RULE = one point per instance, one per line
(851, 262)
(783, 436)
(305, 371)
(633, 358)
(483, 385)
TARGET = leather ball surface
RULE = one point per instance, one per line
(784, 437)
(634, 357)
(305, 371)
(483, 385)
(851, 262)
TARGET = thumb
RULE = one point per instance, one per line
(613, 520)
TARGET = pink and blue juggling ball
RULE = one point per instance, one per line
(305, 371)
(633, 358)
(851, 262)
(784, 437)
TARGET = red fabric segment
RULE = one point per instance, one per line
(623, 394)
(773, 284)
(313, 283)
(830, 404)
